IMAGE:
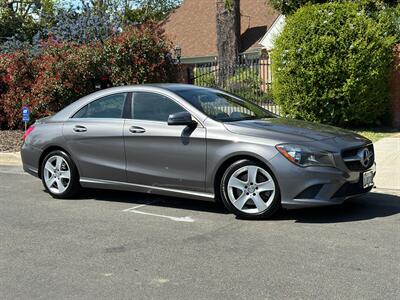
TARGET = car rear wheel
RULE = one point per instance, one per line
(59, 175)
(249, 190)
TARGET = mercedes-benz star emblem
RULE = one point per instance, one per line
(365, 156)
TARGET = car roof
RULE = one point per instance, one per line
(175, 87)
(171, 88)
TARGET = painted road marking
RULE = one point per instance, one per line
(176, 219)
(141, 205)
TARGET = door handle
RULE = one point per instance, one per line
(80, 128)
(137, 129)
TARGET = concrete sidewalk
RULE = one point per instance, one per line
(387, 152)
(387, 156)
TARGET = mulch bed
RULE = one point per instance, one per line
(10, 140)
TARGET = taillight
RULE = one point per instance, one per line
(29, 130)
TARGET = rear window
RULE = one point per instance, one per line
(111, 106)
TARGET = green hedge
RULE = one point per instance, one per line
(332, 64)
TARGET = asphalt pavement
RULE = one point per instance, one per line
(120, 245)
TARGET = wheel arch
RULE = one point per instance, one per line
(45, 153)
(227, 162)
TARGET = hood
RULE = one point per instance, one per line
(291, 130)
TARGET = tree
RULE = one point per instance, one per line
(228, 36)
(16, 18)
(89, 23)
(141, 11)
(89, 20)
(22, 18)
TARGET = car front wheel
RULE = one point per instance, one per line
(249, 190)
(59, 175)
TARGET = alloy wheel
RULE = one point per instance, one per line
(57, 174)
(251, 189)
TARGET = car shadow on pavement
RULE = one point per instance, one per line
(370, 206)
(154, 200)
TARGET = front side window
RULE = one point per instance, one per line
(222, 107)
(153, 107)
(111, 106)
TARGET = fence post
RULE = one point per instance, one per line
(190, 74)
(185, 73)
(264, 71)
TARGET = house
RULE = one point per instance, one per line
(192, 27)
(267, 42)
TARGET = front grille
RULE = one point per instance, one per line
(353, 161)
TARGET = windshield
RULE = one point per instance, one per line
(222, 107)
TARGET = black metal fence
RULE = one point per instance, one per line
(250, 79)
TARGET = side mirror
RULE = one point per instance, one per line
(181, 118)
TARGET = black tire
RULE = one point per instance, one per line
(267, 213)
(73, 187)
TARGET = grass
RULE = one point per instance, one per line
(375, 134)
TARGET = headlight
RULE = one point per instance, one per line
(305, 156)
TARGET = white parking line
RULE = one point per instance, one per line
(176, 219)
(141, 205)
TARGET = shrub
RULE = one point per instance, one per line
(206, 76)
(246, 81)
(332, 64)
(290, 6)
(65, 71)
(138, 56)
(16, 78)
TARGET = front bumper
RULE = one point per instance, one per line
(315, 186)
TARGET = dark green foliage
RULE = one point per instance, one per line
(332, 64)
(150, 10)
(290, 6)
(20, 19)
(245, 83)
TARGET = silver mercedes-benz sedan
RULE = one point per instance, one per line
(186, 141)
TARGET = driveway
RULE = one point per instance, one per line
(134, 246)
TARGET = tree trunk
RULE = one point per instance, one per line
(228, 37)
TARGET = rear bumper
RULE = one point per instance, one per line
(30, 157)
(316, 186)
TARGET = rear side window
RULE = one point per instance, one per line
(153, 107)
(111, 106)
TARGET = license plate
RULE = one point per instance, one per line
(368, 179)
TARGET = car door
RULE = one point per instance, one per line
(95, 138)
(161, 155)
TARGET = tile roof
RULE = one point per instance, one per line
(193, 26)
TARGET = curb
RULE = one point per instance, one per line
(10, 158)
